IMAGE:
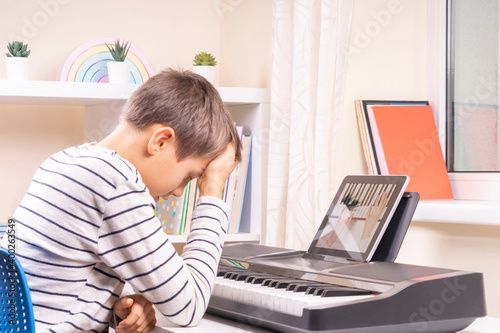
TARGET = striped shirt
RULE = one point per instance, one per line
(87, 225)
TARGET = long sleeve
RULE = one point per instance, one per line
(133, 244)
(87, 225)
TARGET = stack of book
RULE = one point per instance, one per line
(175, 213)
(400, 137)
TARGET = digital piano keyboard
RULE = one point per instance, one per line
(284, 290)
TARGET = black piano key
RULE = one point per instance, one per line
(242, 276)
(266, 282)
(285, 283)
(281, 283)
(228, 275)
(293, 285)
(237, 276)
(271, 282)
(319, 291)
(256, 279)
(313, 289)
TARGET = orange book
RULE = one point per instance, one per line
(409, 143)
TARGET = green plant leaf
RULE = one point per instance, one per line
(18, 49)
(204, 59)
(119, 51)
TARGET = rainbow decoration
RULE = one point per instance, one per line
(87, 63)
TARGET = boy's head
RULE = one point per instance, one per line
(191, 106)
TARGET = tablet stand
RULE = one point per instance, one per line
(388, 248)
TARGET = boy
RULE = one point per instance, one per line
(86, 225)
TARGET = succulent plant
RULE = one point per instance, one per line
(18, 49)
(204, 59)
(119, 51)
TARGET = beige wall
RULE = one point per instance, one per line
(387, 61)
(246, 33)
(28, 135)
(168, 32)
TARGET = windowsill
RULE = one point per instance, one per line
(458, 211)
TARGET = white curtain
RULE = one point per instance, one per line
(310, 54)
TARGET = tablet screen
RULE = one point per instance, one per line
(358, 216)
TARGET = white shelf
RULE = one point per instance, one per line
(239, 96)
(458, 211)
(241, 237)
(62, 93)
(86, 93)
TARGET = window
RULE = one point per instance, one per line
(471, 117)
(473, 89)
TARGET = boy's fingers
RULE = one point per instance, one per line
(141, 318)
(214, 177)
(123, 307)
(147, 325)
(127, 302)
(133, 317)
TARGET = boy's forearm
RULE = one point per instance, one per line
(201, 254)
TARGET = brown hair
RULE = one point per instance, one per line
(191, 106)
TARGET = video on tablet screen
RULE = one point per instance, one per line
(358, 216)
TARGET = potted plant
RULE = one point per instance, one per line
(17, 62)
(119, 69)
(204, 64)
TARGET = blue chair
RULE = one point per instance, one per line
(16, 308)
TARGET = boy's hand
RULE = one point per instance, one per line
(213, 179)
(137, 313)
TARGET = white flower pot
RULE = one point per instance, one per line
(208, 72)
(17, 68)
(119, 71)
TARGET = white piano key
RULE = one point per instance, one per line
(280, 300)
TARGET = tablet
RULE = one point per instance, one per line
(358, 216)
